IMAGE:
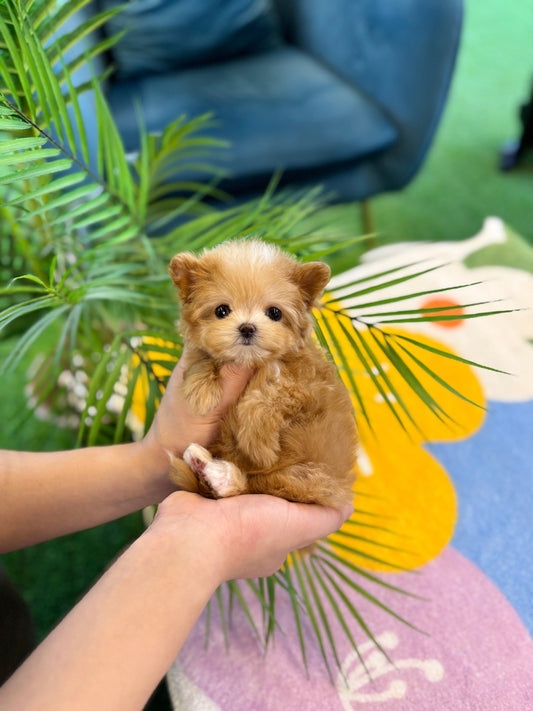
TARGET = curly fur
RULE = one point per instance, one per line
(292, 432)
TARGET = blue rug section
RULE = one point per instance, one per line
(493, 475)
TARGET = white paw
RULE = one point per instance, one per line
(197, 458)
(222, 477)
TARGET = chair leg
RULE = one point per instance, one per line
(366, 216)
(368, 225)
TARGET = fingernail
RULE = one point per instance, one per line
(347, 511)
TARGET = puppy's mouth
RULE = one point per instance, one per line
(249, 348)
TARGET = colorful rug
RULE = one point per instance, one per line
(461, 496)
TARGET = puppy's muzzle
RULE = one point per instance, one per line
(247, 331)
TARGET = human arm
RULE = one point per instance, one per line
(48, 494)
(118, 642)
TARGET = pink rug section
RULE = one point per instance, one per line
(478, 656)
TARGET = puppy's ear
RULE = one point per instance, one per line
(185, 271)
(311, 279)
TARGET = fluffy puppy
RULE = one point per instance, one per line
(292, 432)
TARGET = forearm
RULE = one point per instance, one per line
(45, 495)
(118, 642)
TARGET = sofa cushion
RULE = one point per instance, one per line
(279, 110)
(162, 35)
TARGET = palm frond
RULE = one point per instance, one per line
(356, 330)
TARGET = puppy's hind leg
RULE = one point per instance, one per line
(222, 477)
(183, 476)
(306, 483)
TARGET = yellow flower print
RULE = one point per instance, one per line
(402, 491)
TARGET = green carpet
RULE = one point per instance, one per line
(459, 185)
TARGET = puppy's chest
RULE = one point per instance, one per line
(274, 397)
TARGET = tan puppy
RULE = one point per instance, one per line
(292, 432)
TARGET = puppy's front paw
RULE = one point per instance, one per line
(222, 477)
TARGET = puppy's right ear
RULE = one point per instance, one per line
(185, 271)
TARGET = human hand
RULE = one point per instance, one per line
(244, 536)
(175, 426)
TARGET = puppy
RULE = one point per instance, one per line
(292, 432)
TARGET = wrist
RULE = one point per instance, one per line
(154, 463)
(184, 553)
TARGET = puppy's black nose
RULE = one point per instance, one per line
(247, 330)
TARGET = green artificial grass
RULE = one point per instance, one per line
(459, 185)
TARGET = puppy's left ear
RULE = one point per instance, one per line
(311, 279)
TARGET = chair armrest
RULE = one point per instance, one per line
(398, 52)
(401, 53)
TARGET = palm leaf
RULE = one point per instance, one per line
(436, 377)
(321, 576)
(298, 563)
(351, 610)
(329, 341)
(366, 341)
(294, 597)
(370, 597)
(223, 616)
(323, 617)
(234, 588)
(445, 354)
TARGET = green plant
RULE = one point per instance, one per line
(89, 249)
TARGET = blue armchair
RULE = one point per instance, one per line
(343, 93)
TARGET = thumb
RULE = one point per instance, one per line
(234, 379)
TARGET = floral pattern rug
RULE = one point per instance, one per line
(461, 498)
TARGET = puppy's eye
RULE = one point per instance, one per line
(274, 313)
(222, 311)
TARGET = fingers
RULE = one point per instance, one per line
(346, 512)
(287, 524)
(234, 379)
(248, 535)
(176, 377)
(312, 522)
